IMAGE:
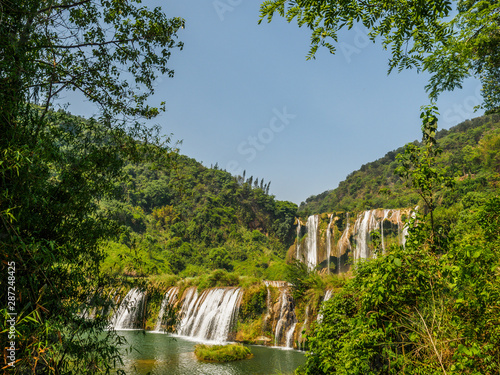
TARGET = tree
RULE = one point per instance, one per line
(111, 52)
(418, 166)
(425, 35)
(56, 168)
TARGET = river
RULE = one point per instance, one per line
(159, 354)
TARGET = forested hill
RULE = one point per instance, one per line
(470, 149)
(186, 219)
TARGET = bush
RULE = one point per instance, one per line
(222, 353)
(219, 278)
(253, 303)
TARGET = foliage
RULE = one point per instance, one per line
(95, 47)
(53, 170)
(222, 353)
(302, 279)
(218, 278)
(412, 310)
(188, 219)
(418, 165)
(56, 168)
(430, 36)
(253, 303)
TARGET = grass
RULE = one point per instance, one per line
(222, 353)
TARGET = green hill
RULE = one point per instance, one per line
(471, 153)
(186, 219)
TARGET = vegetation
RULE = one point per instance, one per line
(83, 201)
(55, 168)
(222, 353)
(187, 219)
(431, 307)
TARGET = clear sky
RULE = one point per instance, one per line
(244, 96)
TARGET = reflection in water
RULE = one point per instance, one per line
(161, 354)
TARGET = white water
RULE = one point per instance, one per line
(289, 336)
(209, 316)
(329, 242)
(286, 317)
(276, 284)
(312, 241)
(365, 223)
(128, 313)
(168, 300)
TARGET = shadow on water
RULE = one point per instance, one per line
(160, 354)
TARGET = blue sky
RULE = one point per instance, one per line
(244, 96)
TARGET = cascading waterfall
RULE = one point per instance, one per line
(289, 336)
(168, 300)
(286, 319)
(355, 238)
(404, 232)
(312, 241)
(130, 311)
(210, 315)
(365, 223)
(329, 242)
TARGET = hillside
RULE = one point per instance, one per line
(471, 152)
(185, 219)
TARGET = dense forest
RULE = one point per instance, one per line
(186, 219)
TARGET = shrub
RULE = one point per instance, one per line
(222, 353)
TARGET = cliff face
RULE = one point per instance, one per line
(326, 241)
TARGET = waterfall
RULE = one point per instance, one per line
(289, 336)
(130, 311)
(365, 223)
(209, 316)
(311, 241)
(287, 321)
(285, 318)
(329, 242)
(404, 232)
(168, 300)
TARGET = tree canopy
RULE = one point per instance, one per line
(450, 40)
(110, 51)
(56, 168)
